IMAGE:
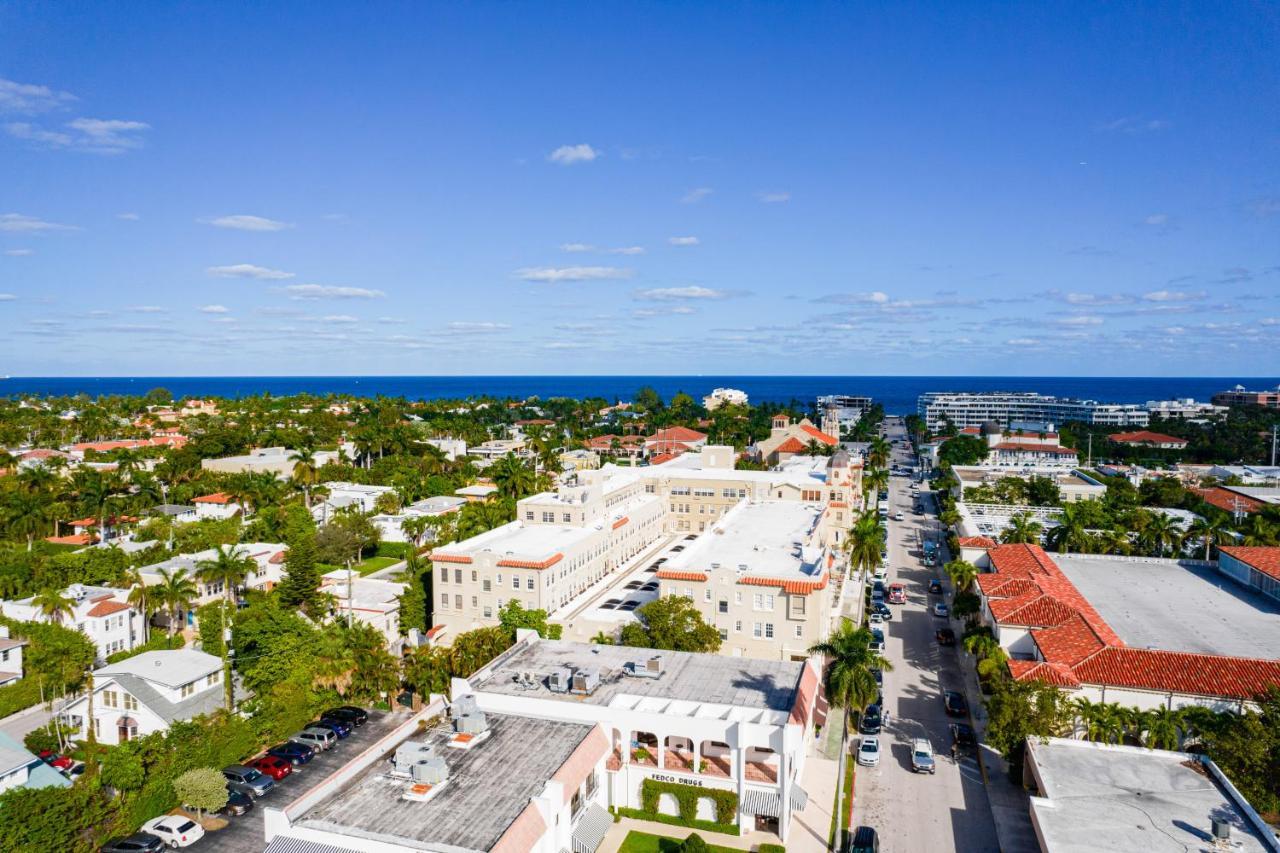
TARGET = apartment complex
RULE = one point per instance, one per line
(565, 541)
(962, 409)
(1239, 396)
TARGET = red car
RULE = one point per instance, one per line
(61, 762)
(274, 766)
(897, 594)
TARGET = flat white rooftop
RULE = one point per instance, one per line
(1178, 606)
(770, 538)
(691, 466)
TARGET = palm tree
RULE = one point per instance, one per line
(483, 516)
(864, 543)
(53, 604)
(1023, 529)
(1259, 533)
(1070, 531)
(850, 683)
(139, 598)
(962, 574)
(878, 451)
(1160, 534)
(415, 527)
(873, 480)
(334, 662)
(1086, 714)
(1164, 729)
(1111, 720)
(513, 477)
(175, 591)
(306, 473)
(26, 513)
(230, 568)
(1209, 531)
(1114, 540)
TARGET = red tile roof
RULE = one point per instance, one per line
(791, 587)
(659, 458)
(818, 435)
(106, 608)
(215, 498)
(440, 557)
(1144, 436)
(1228, 500)
(1179, 672)
(1265, 560)
(977, 542)
(677, 433)
(532, 564)
(673, 575)
(1068, 643)
(1034, 611)
(109, 521)
(1033, 670)
(791, 445)
(75, 539)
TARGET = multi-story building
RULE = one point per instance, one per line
(101, 613)
(844, 409)
(564, 542)
(1185, 409)
(268, 559)
(1238, 396)
(761, 575)
(964, 409)
(722, 396)
(787, 440)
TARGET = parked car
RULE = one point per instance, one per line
(962, 735)
(295, 753)
(869, 752)
(276, 768)
(339, 728)
(898, 516)
(75, 771)
(871, 721)
(691, 536)
(237, 804)
(248, 780)
(651, 586)
(954, 704)
(922, 756)
(881, 575)
(175, 830)
(348, 714)
(883, 609)
(316, 738)
(935, 586)
(946, 637)
(941, 609)
(139, 842)
(53, 759)
(878, 674)
(875, 617)
(677, 549)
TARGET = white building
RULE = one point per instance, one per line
(268, 557)
(391, 525)
(102, 614)
(1186, 409)
(11, 670)
(369, 600)
(216, 506)
(724, 396)
(973, 409)
(356, 497)
(145, 693)
(453, 448)
(273, 460)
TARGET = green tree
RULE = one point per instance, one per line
(300, 586)
(864, 543)
(1209, 530)
(513, 616)
(513, 477)
(26, 513)
(1017, 710)
(175, 591)
(201, 788)
(963, 450)
(671, 622)
(962, 574)
(1023, 529)
(306, 473)
(53, 605)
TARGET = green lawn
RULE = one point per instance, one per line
(364, 567)
(643, 842)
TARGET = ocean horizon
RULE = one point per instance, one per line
(898, 394)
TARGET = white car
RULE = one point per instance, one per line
(869, 752)
(175, 830)
(880, 575)
(875, 618)
(898, 516)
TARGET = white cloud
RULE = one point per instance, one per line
(690, 292)
(577, 247)
(30, 98)
(627, 250)
(322, 291)
(1173, 296)
(1022, 342)
(587, 247)
(1096, 298)
(128, 217)
(214, 309)
(245, 222)
(554, 274)
(147, 309)
(565, 345)
(339, 318)
(1156, 219)
(7, 297)
(248, 271)
(465, 326)
(567, 155)
(694, 196)
(20, 223)
(95, 135)
(774, 198)
(646, 313)
(1081, 320)
(1135, 125)
(683, 241)
(19, 253)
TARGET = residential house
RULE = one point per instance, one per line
(268, 558)
(391, 525)
(102, 614)
(674, 440)
(372, 601)
(356, 497)
(724, 396)
(216, 506)
(1147, 438)
(19, 768)
(11, 671)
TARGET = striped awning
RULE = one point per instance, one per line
(769, 803)
(591, 829)
(285, 844)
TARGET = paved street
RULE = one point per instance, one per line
(918, 812)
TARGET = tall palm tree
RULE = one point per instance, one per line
(229, 567)
(1259, 533)
(175, 592)
(306, 473)
(53, 604)
(873, 480)
(878, 452)
(864, 543)
(1114, 540)
(1161, 534)
(1209, 531)
(1070, 531)
(333, 661)
(139, 598)
(962, 574)
(477, 518)
(850, 683)
(513, 477)
(1023, 529)
(26, 513)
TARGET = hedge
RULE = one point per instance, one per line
(399, 550)
(675, 820)
(687, 797)
(771, 848)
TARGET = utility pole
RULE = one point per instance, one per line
(1089, 464)
(349, 587)
(1274, 427)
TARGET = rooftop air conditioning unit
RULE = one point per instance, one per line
(655, 665)
(430, 771)
(1221, 830)
(470, 724)
(465, 704)
(559, 679)
(585, 682)
(409, 754)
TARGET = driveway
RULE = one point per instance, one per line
(916, 812)
(245, 834)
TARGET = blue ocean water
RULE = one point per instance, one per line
(897, 394)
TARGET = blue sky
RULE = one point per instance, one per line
(318, 188)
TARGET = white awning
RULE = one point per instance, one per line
(591, 829)
(769, 803)
(285, 844)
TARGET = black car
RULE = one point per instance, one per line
(883, 609)
(935, 586)
(871, 721)
(237, 804)
(349, 714)
(295, 753)
(691, 536)
(141, 842)
(962, 735)
(651, 586)
(954, 704)
(677, 549)
(946, 637)
(863, 840)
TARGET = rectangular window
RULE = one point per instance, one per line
(799, 631)
(723, 606)
(737, 598)
(212, 679)
(757, 630)
(548, 517)
(797, 606)
(724, 633)
(528, 515)
(485, 585)
(188, 689)
(457, 602)
(475, 602)
(457, 575)
(130, 702)
(768, 630)
(529, 582)
(444, 576)
(515, 582)
(473, 576)
(737, 626)
(566, 518)
(706, 594)
(444, 600)
(110, 699)
(488, 613)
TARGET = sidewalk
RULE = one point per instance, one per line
(618, 832)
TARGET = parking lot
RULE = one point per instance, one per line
(245, 834)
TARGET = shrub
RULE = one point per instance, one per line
(399, 550)
(694, 844)
(771, 848)
(687, 797)
(202, 788)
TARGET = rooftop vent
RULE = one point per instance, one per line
(419, 761)
(584, 682)
(651, 668)
(559, 679)
(1221, 830)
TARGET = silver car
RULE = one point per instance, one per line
(247, 780)
(316, 738)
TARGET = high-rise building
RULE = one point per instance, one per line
(969, 409)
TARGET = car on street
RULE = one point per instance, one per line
(871, 720)
(897, 594)
(339, 728)
(348, 714)
(945, 637)
(237, 804)
(878, 674)
(651, 586)
(633, 585)
(248, 780)
(863, 840)
(880, 576)
(954, 704)
(677, 549)
(898, 516)
(935, 586)
(940, 609)
(296, 754)
(883, 609)
(691, 536)
(922, 756)
(869, 752)
(175, 830)
(962, 735)
(276, 768)
(139, 842)
(875, 617)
